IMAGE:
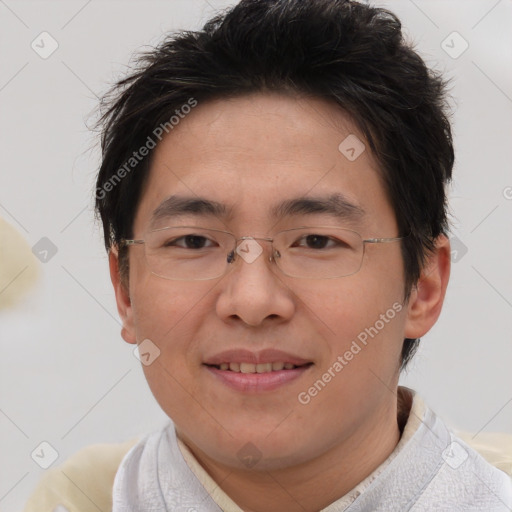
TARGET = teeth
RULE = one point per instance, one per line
(264, 368)
(247, 368)
(256, 368)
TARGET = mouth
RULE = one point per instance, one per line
(251, 368)
(250, 372)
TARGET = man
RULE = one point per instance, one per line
(272, 194)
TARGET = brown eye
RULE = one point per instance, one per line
(195, 242)
(316, 241)
(188, 242)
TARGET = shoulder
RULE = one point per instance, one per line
(83, 481)
(466, 472)
(468, 481)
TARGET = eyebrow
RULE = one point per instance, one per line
(335, 205)
(175, 206)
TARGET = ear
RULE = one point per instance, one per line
(427, 297)
(124, 305)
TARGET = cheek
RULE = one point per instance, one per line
(170, 313)
(344, 310)
(161, 308)
(361, 323)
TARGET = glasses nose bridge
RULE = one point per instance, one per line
(264, 238)
(256, 238)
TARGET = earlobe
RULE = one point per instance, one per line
(124, 305)
(426, 300)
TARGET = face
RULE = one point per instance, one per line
(251, 154)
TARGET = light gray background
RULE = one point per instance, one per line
(66, 376)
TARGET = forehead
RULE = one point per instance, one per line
(254, 153)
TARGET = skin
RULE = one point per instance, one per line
(251, 153)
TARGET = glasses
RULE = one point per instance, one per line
(193, 253)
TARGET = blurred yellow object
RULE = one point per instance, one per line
(19, 268)
(494, 447)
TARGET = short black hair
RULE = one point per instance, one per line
(350, 54)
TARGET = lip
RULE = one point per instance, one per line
(257, 382)
(263, 356)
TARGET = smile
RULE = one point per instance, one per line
(256, 368)
(256, 378)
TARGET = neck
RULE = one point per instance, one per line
(312, 485)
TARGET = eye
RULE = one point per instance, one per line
(189, 242)
(314, 241)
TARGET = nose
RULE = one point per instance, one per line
(253, 291)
